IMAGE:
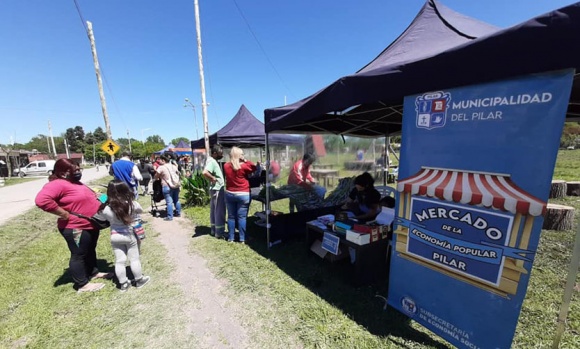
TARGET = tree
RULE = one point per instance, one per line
(100, 135)
(179, 139)
(38, 142)
(75, 138)
(155, 139)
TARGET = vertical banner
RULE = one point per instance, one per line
(474, 178)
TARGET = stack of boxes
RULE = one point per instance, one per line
(362, 234)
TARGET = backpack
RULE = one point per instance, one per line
(175, 177)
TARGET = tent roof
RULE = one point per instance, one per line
(169, 146)
(182, 145)
(244, 130)
(369, 103)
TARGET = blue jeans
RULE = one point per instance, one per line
(238, 206)
(172, 197)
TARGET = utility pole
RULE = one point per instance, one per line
(52, 139)
(66, 148)
(201, 79)
(99, 83)
(129, 138)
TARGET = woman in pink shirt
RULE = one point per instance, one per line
(238, 199)
(63, 194)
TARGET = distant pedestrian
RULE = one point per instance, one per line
(123, 214)
(146, 169)
(171, 185)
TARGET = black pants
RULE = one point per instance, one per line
(83, 255)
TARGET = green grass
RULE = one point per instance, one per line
(568, 165)
(17, 180)
(288, 297)
(39, 308)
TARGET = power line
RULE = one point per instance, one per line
(84, 23)
(262, 49)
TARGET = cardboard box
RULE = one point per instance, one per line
(358, 238)
(365, 228)
(372, 230)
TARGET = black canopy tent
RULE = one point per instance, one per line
(245, 131)
(369, 102)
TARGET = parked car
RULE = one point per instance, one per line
(36, 168)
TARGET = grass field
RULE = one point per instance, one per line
(289, 297)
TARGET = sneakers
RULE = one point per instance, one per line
(168, 218)
(124, 286)
(177, 215)
(91, 287)
(142, 281)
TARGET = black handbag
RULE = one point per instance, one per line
(99, 223)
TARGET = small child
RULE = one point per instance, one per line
(121, 211)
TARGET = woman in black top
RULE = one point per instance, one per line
(364, 199)
(146, 169)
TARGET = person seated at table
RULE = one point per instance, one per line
(274, 171)
(363, 201)
(300, 175)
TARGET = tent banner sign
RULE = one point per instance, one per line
(474, 178)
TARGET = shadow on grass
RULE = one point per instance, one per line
(201, 230)
(102, 265)
(332, 281)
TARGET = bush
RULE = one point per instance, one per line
(196, 190)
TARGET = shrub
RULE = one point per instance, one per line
(196, 190)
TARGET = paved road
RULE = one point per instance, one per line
(19, 198)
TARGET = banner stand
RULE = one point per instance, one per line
(572, 272)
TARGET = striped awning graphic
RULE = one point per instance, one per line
(473, 188)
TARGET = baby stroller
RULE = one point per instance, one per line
(156, 197)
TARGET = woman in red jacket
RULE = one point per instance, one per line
(238, 199)
(63, 194)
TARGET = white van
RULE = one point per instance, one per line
(36, 168)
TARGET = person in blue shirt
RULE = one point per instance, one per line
(127, 171)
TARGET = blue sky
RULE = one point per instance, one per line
(255, 52)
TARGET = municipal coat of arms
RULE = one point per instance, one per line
(432, 109)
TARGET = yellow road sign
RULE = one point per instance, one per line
(110, 147)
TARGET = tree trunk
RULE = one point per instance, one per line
(559, 217)
(558, 189)
(573, 188)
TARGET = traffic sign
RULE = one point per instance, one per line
(110, 147)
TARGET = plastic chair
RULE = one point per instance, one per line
(385, 190)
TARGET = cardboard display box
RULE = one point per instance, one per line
(358, 238)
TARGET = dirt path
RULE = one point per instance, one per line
(211, 317)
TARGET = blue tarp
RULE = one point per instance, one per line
(167, 148)
(246, 131)
(440, 49)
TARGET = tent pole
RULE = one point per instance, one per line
(568, 290)
(387, 159)
(267, 193)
